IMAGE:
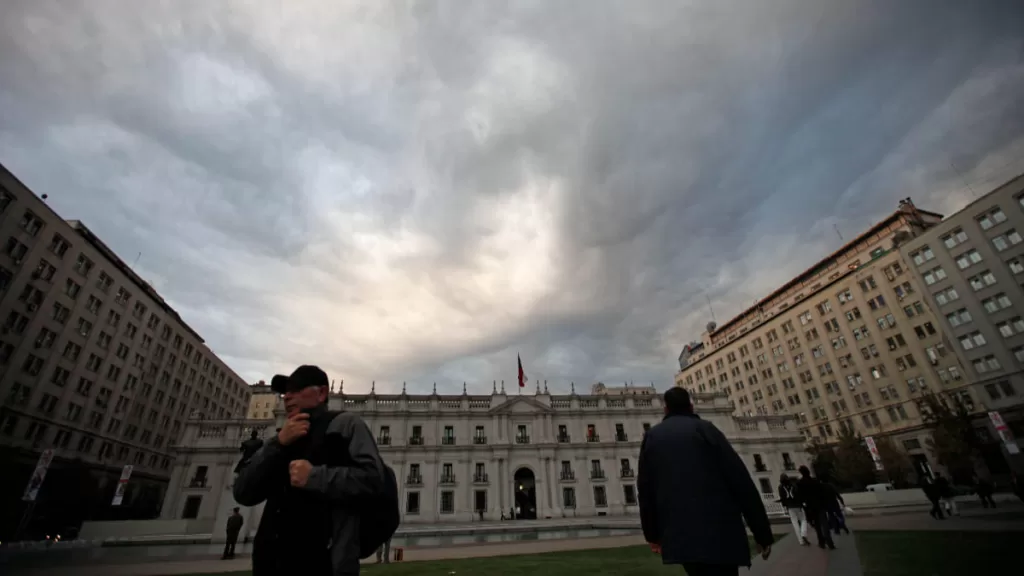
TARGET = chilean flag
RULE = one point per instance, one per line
(522, 375)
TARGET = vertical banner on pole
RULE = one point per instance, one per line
(1004, 432)
(874, 452)
(126, 473)
(36, 482)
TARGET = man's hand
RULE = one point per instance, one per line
(765, 551)
(655, 547)
(298, 472)
(296, 427)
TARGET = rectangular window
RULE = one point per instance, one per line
(923, 255)
(954, 238)
(447, 502)
(600, 497)
(629, 494)
(412, 503)
(569, 498)
(991, 218)
(968, 259)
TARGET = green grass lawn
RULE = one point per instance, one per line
(628, 561)
(937, 553)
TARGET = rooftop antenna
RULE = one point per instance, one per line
(710, 308)
(962, 179)
(139, 255)
(836, 228)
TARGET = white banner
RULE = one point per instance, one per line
(36, 482)
(122, 484)
(1004, 432)
(874, 452)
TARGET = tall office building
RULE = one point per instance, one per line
(95, 365)
(262, 402)
(851, 344)
(972, 267)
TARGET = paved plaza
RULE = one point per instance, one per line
(788, 557)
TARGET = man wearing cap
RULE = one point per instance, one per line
(310, 525)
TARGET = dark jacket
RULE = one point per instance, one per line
(833, 501)
(943, 488)
(789, 495)
(694, 494)
(930, 490)
(812, 494)
(984, 487)
(312, 530)
(235, 522)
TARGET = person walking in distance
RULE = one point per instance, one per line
(1017, 485)
(695, 493)
(834, 504)
(931, 491)
(814, 498)
(790, 500)
(384, 552)
(946, 494)
(324, 485)
(983, 487)
(234, 526)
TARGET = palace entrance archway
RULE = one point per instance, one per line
(525, 490)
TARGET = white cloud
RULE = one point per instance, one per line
(421, 191)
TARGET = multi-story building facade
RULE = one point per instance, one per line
(94, 364)
(262, 402)
(850, 344)
(971, 267)
(460, 458)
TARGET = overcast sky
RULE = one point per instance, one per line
(418, 191)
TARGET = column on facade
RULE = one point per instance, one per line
(549, 472)
(435, 485)
(469, 487)
(500, 481)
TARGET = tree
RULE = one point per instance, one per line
(896, 464)
(823, 459)
(954, 442)
(854, 467)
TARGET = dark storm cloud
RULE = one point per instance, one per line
(420, 191)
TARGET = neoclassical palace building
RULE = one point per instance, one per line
(467, 457)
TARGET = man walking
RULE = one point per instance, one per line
(931, 492)
(234, 526)
(317, 476)
(983, 487)
(790, 500)
(945, 491)
(383, 553)
(834, 505)
(813, 495)
(695, 493)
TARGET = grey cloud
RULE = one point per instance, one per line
(421, 191)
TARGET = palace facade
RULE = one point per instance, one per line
(468, 457)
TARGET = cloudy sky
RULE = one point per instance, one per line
(418, 191)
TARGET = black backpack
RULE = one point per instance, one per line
(378, 524)
(379, 515)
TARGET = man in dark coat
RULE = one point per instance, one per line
(311, 523)
(931, 491)
(834, 505)
(984, 488)
(234, 526)
(695, 493)
(815, 499)
(946, 495)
